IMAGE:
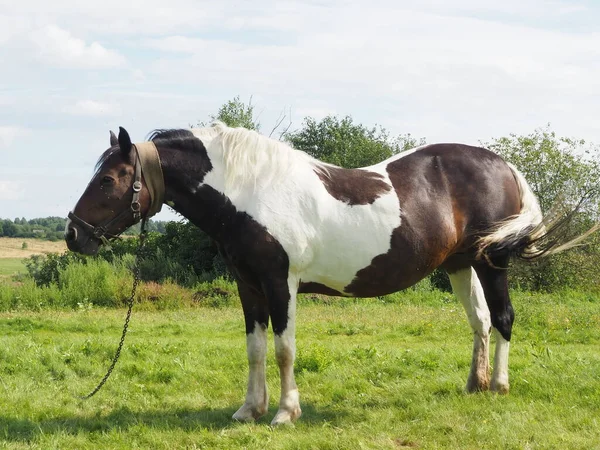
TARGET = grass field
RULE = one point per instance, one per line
(11, 266)
(371, 375)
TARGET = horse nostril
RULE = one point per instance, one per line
(71, 234)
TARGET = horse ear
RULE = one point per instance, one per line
(124, 141)
(113, 139)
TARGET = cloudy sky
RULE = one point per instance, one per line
(461, 71)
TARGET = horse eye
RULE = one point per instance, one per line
(107, 180)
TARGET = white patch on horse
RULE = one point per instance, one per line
(327, 241)
(68, 224)
(467, 288)
(500, 374)
(257, 396)
(382, 166)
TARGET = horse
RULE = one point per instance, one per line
(287, 223)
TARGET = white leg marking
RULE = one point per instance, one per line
(257, 397)
(285, 352)
(500, 374)
(467, 288)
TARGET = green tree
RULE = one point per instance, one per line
(10, 229)
(556, 168)
(236, 113)
(561, 171)
(344, 143)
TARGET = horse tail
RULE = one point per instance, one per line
(528, 234)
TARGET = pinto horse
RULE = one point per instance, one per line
(287, 223)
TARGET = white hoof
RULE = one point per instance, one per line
(249, 413)
(500, 386)
(285, 417)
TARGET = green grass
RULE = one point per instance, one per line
(371, 375)
(11, 266)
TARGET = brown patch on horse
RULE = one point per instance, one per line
(317, 288)
(442, 210)
(352, 186)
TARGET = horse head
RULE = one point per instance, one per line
(126, 187)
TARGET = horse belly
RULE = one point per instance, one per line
(348, 241)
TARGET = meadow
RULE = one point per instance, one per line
(372, 373)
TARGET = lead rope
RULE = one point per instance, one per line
(136, 280)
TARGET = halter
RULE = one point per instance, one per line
(146, 159)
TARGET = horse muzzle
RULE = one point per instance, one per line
(79, 241)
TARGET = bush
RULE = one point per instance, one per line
(217, 293)
(45, 269)
(97, 282)
(183, 254)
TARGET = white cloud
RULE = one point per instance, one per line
(92, 108)
(59, 48)
(8, 134)
(10, 190)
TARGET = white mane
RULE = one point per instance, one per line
(249, 157)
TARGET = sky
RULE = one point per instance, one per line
(463, 71)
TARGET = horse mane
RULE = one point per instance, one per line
(104, 156)
(168, 134)
(249, 157)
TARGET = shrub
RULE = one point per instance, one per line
(45, 269)
(97, 282)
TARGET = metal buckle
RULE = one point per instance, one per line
(137, 186)
(135, 207)
(99, 232)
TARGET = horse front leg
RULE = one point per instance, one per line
(257, 321)
(283, 317)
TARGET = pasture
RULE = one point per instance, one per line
(372, 375)
(11, 266)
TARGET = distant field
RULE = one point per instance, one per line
(12, 248)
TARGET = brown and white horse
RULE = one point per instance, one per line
(287, 223)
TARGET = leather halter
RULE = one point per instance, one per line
(147, 155)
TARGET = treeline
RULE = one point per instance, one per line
(52, 228)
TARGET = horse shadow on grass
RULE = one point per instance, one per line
(14, 429)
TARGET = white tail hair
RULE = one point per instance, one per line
(529, 234)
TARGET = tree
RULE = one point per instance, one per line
(341, 142)
(10, 229)
(236, 113)
(556, 168)
(560, 171)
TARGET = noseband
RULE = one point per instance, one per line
(145, 155)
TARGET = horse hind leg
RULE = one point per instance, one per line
(495, 286)
(467, 287)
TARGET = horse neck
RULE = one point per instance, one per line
(184, 173)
